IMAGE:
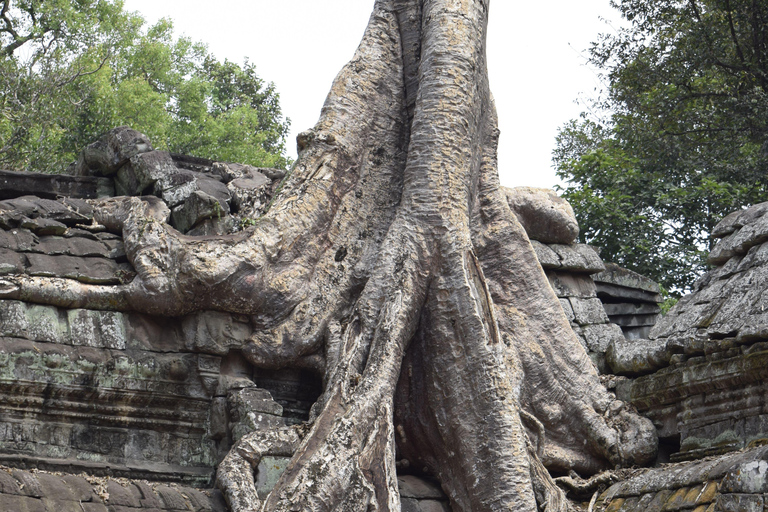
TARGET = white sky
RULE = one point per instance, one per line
(535, 53)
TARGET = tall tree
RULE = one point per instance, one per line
(680, 139)
(392, 265)
(71, 70)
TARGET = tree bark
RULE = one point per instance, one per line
(391, 264)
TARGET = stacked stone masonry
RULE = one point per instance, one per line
(701, 377)
(701, 374)
(630, 300)
(123, 395)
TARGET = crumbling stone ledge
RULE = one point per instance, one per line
(732, 482)
(38, 491)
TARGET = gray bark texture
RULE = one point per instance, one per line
(391, 263)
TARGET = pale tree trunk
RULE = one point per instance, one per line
(391, 263)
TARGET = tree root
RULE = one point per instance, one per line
(391, 263)
(235, 473)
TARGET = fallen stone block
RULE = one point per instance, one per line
(544, 215)
(113, 149)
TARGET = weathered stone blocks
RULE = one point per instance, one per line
(23, 491)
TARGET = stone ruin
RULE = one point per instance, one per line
(105, 411)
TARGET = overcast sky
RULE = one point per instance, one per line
(535, 52)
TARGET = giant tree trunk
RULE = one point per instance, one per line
(391, 263)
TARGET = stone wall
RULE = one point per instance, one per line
(630, 300)
(701, 375)
(569, 268)
(123, 395)
(148, 406)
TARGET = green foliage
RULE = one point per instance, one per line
(72, 69)
(669, 301)
(680, 139)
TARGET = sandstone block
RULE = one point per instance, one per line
(75, 246)
(754, 231)
(80, 488)
(127, 183)
(599, 337)
(624, 294)
(21, 504)
(175, 186)
(43, 324)
(215, 333)
(172, 498)
(543, 214)
(739, 503)
(8, 485)
(219, 419)
(250, 192)
(409, 505)
(413, 505)
(28, 483)
(578, 258)
(95, 507)
(86, 270)
(11, 262)
(630, 308)
(35, 207)
(198, 206)
(547, 257)
(568, 309)
(54, 487)
(56, 504)
(13, 318)
(570, 285)
(200, 502)
(727, 225)
(616, 275)
(43, 226)
(588, 311)
(434, 506)
(213, 187)
(151, 167)
(252, 399)
(748, 478)
(25, 240)
(127, 496)
(105, 156)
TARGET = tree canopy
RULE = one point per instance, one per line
(680, 137)
(72, 69)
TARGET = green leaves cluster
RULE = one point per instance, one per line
(680, 138)
(72, 69)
